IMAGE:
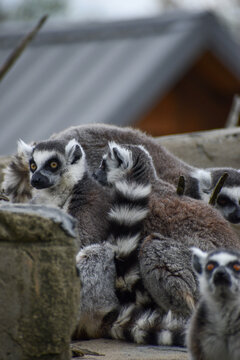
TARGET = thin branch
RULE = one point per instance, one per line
(181, 185)
(217, 189)
(234, 114)
(20, 48)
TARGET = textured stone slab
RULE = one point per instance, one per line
(39, 287)
(207, 148)
(119, 350)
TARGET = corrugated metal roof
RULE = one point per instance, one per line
(100, 72)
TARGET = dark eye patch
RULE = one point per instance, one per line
(234, 265)
(210, 266)
(53, 164)
(224, 200)
(32, 165)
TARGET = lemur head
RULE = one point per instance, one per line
(123, 161)
(203, 183)
(218, 272)
(53, 162)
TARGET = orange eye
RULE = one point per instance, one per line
(54, 164)
(33, 166)
(210, 267)
(236, 267)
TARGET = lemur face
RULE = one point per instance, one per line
(229, 197)
(124, 162)
(218, 272)
(53, 162)
(114, 165)
(46, 168)
(228, 203)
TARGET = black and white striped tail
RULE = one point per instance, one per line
(135, 324)
(126, 217)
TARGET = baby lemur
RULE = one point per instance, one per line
(173, 225)
(214, 332)
(199, 183)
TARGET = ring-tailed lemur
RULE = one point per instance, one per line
(214, 331)
(105, 312)
(59, 177)
(199, 183)
(173, 225)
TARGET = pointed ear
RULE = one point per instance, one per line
(204, 180)
(25, 149)
(119, 154)
(198, 259)
(120, 158)
(73, 151)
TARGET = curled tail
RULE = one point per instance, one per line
(146, 326)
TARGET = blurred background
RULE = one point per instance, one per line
(164, 66)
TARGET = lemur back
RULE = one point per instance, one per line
(214, 331)
(173, 225)
(199, 183)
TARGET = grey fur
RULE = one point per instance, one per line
(102, 313)
(214, 331)
(97, 294)
(16, 182)
(70, 187)
(168, 167)
(94, 139)
(180, 222)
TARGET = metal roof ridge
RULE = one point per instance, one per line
(107, 30)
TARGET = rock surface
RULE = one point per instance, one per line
(207, 148)
(118, 350)
(39, 287)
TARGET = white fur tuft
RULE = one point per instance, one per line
(145, 323)
(117, 330)
(133, 191)
(199, 253)
(223, 258)
(165, 338)
(125, 153)
(124, 215)
(126, 245)
(24, 149)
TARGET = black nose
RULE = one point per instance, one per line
(100, 176)
(234, 217)
(40, 181)
(221, 277)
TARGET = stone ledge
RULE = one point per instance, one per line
(119, 350)
(219, 147)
